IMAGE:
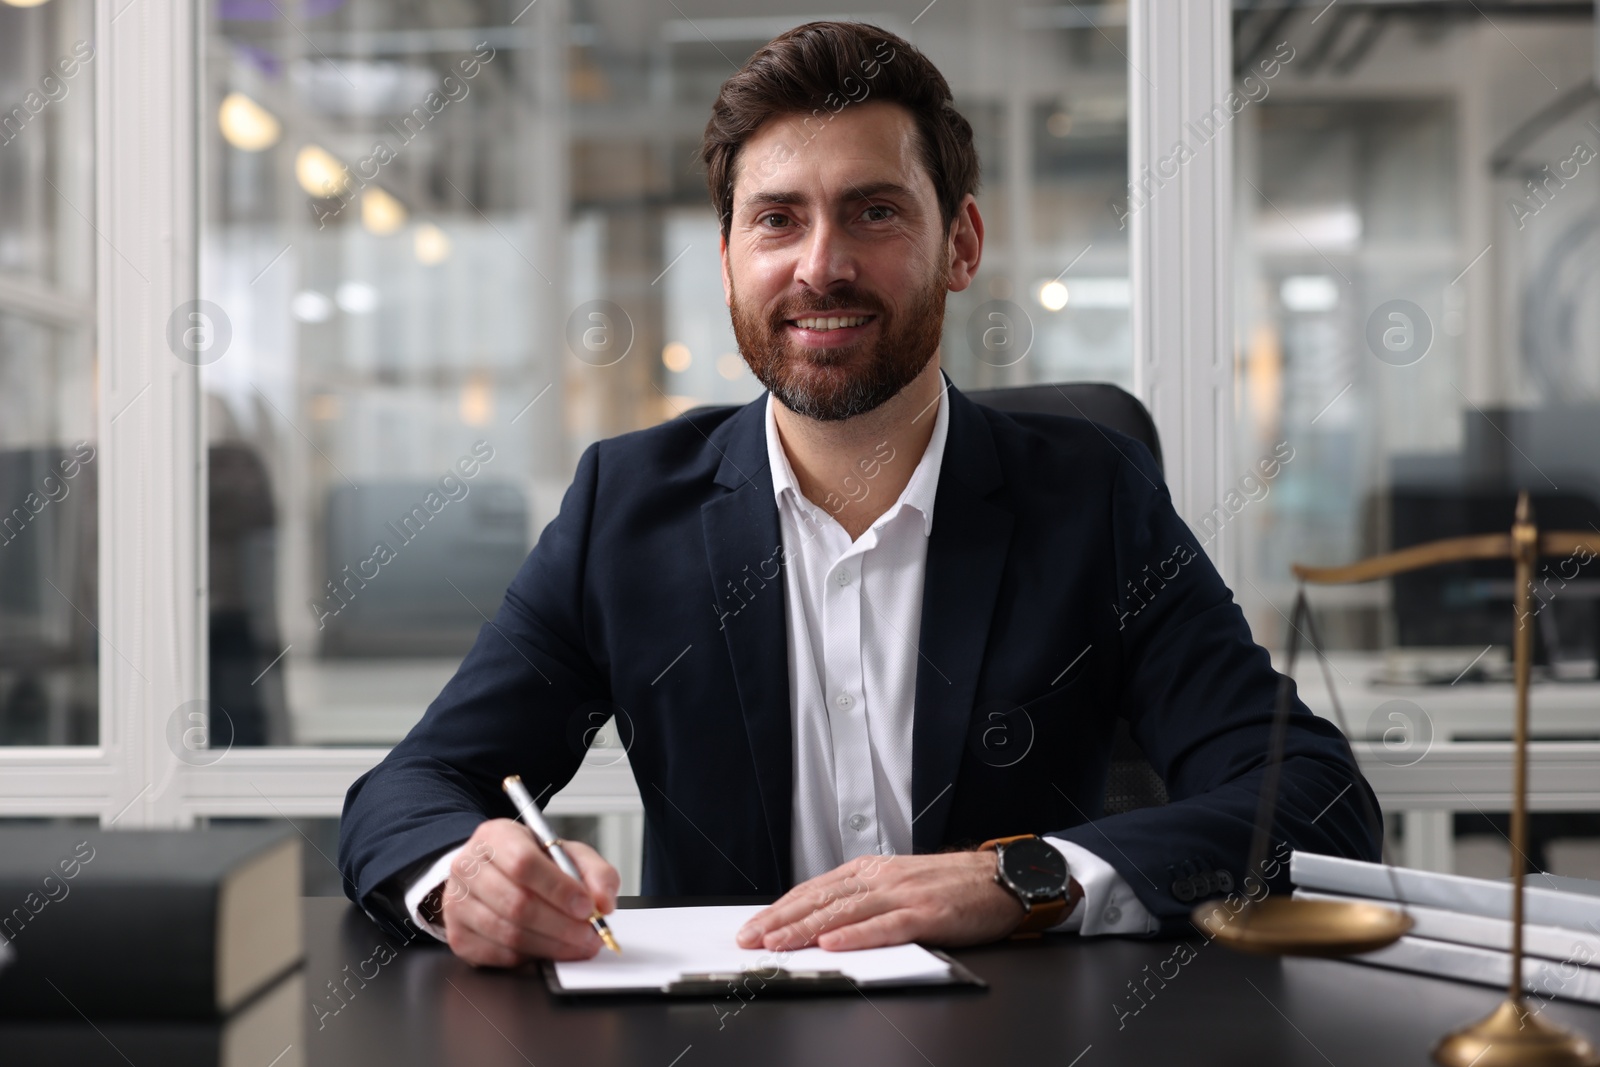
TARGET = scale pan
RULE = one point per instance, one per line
(1285, 927)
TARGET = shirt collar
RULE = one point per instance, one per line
(919, 492)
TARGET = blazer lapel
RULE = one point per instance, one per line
(742, 532)
(966, 555)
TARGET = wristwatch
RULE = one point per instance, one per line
(1036, 873)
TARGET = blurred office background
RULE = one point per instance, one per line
(527, 175)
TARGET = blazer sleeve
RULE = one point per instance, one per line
(1199, 695)
(519, 704)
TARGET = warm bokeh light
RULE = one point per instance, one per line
(22, 3)
(1263, 380)
(381, 213)
(430, 244)
(247, 125)
(730, 366)
(325, 407)
(1053, 295)
(319, 173)
(676, 357)
(477, 400)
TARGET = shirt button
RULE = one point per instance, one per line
(1112, 915)
(843, 577)
(857, 822)
(844, 700)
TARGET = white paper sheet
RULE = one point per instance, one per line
(660, 944)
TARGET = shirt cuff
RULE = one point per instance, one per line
(430, 879)
(1109, 905)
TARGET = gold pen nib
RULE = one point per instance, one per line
(605, 935)
(600, 927)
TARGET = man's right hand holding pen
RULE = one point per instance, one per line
(506, 901)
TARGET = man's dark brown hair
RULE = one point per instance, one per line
(815, 71)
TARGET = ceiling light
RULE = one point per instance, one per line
(319, 173)
(357, 298)
(431, 245)
(247, 125)
(381, 213)
(308, 305)
(1053, 295)
(1309, 292)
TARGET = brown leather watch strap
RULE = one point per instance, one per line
(1042, 916)
(1045, 914)
(995, 842)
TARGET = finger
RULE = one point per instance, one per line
(794, 905)
(842, 911)
(522, 860)
(523, 908)
(803, 899)
(897, 927)
(600, 877)
(848, 880)
(473, 916)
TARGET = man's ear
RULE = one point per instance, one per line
(727, 286)
(965, 244)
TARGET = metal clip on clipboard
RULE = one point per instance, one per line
(782, 980)
(694, 983)
(772, 980)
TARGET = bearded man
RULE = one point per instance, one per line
(861, 636)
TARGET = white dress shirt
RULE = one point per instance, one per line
(854, 619)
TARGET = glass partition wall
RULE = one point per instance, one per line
(1417, 324)
(1416, 305)
(416, 219)
(49, 680)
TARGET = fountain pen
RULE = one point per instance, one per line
(552, 845)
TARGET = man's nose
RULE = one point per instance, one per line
(826, 256)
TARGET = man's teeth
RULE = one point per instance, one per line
(831, 324)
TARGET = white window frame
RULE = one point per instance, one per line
(152, 609)
(1180, 58)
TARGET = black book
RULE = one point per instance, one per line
(269, 1031)
(145, 924)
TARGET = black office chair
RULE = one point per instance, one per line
(1101, 403)
(1132, 782)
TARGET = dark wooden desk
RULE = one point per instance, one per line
(1062, 1001)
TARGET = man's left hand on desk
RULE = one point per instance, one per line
(947, 898)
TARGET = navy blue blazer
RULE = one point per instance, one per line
(1062, 590)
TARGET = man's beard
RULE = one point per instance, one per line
(831, 384)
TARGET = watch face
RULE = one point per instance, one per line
(1037, 870)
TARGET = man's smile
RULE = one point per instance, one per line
(828, 330)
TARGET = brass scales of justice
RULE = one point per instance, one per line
(1511, 1034)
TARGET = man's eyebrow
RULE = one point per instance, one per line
(857, 192)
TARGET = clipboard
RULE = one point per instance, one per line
(778, 981)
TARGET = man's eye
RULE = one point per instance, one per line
(774, 215)
(879, 207)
